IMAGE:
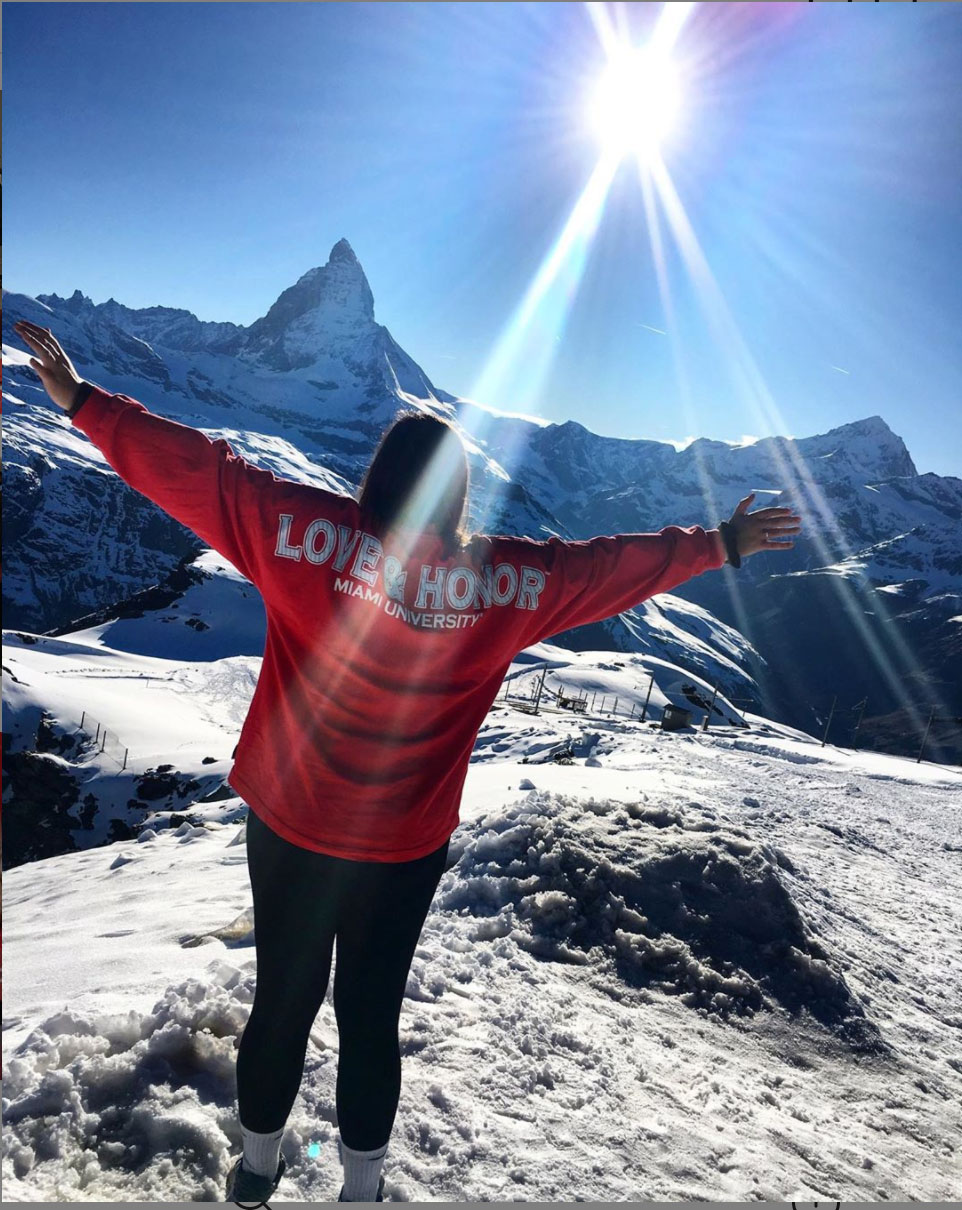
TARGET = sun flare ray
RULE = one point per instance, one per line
(523, 353)
(802, 489)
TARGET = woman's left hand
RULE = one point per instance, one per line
(51, 363)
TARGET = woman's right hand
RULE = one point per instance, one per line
(756, 531)
(51, 363)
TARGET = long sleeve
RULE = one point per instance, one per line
(199, 482)
(585, 581)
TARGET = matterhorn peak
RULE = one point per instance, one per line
(342, 251)
(327, 306)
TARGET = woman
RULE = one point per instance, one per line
(389, 633)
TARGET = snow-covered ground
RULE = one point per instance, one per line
(719, 965)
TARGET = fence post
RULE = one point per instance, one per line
(616, 705)
(704, 725)
(859, 723)
(634, 707)
(82, 717)
(97, 736)
(925, 736)
(644, 712)
(124, 765)
(829, 723)
(104, 740)
(593, 696)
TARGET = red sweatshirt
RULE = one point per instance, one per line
(380, 662)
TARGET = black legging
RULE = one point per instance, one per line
(302, 901)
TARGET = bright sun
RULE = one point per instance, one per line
(635, 104)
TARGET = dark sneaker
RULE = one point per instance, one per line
(380, 1192)
(250, 1189)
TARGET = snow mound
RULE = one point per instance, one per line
(666, 899)
(102, 1097)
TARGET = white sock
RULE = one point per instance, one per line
(262, 1152)
(362, 1171)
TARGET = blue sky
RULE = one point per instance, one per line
(205, 156)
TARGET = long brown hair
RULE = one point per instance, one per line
(418, 479)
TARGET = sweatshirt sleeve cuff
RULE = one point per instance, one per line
(719, 553)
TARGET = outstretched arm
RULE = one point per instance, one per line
(200, 482)
(585, 581)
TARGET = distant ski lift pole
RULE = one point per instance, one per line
(926, 735)
(648, 698)
(858, 723)
(537, 700)
(704, 725)
(829, 723)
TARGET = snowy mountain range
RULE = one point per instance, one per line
(868, 603)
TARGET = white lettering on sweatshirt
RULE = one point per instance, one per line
(438, 586)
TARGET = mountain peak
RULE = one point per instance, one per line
(327, 306)
(75, 304)
(868, 424)
(342, 251)
(868, 443)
